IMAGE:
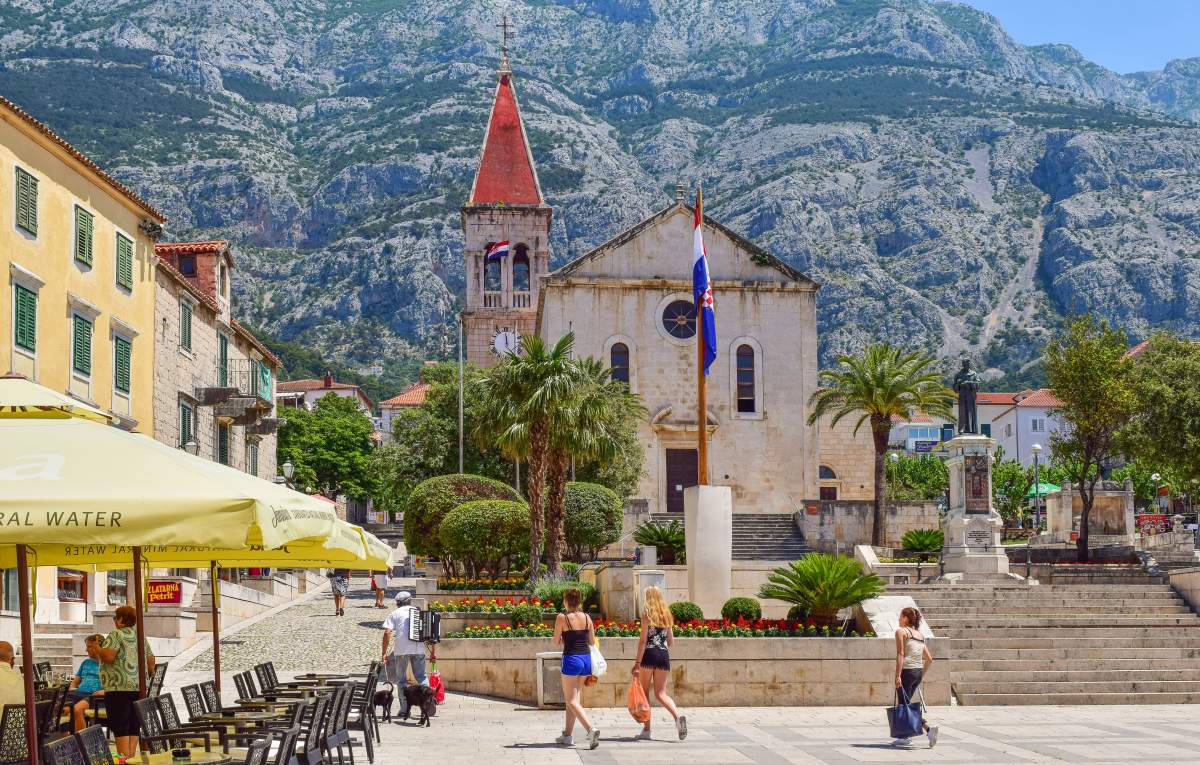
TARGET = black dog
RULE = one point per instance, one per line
(420, 697)
(383, 700)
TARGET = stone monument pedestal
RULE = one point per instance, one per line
(708, 527)
(972, 548)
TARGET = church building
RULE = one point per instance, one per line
(629, 303)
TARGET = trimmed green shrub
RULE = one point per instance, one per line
(593, 519)
(797, 613)
(552, 590)
(667, 538)
(485, 535)
(741, 608)
(685, 611)
(525, 613)
(432, 499)
(823, 584)
(570, 569)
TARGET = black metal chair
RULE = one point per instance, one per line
(65, 751)
(154, 687)
(361, 715)
(94, 743)
(264, 677)
(193, 732)
(270, 665)
(338, 735)
(42, 672)
(310, 750)
(193, 700)
(13, 747)
(212, 699)
(257, 753)
(240, 683)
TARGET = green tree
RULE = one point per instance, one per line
(486, 535)
(425, 439)
(1089, 372)
(521, 398)
(1165, 429)
(1010, 483)
(584, 428)
(330, 447)
(592, 519)
(623, 473)
(883, 383)
(920, 477)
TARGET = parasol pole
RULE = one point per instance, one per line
(141, 620)
(216, 623)
(31, 736)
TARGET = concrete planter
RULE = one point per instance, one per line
(705, 672)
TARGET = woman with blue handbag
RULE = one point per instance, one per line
(912, 662)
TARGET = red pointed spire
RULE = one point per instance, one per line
(506, 173)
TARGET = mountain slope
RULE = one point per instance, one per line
(951, 188)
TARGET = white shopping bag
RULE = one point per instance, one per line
(599, 665)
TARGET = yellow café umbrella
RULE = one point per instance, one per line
(20, 398)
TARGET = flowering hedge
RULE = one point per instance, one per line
(479, 605)
(712, 628)
(461, 583)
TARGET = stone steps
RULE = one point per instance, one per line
(1134, 641)
(759, 537)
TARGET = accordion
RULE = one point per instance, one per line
(425, 626)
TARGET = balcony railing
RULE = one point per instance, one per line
(238, 388)
(493, 300)
(520, 300)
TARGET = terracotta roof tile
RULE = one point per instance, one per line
(249, 337)
(1041, 397)
(995, 398)
(303, 386)
(506, 173)
(413, 395)
(1137, 350)
(80, 157)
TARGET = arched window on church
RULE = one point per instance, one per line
(828, 489)
(521, 269)
(827, 473)
(619, 361)
(745, 380)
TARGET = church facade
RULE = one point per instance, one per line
(629, 304)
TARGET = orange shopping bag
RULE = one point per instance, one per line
(639, 705)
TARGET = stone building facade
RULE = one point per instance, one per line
(214, 381)
(847, 467)
(629, 304)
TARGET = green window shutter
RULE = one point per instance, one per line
(122, 356)
(223, 443)
(252, 459)
(25, 329)
(223, 361)
(185, 423)
(185, 325)
(27, 189)
(124, 262)
(264, 381)
(81, 360)
(84, 223)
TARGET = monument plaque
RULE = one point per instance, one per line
(979, 533)
(976, 499)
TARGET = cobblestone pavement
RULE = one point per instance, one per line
(308, 635)
(471, 729)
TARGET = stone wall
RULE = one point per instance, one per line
(617, 586)
(705, 672)
(838, 526)
(851, 458)
(1112, 511)
(178, 372)
(1186, 582)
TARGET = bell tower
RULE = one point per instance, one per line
(505, 206)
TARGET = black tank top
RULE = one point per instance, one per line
(575, 642)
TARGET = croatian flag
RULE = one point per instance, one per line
(702, 289)
(496, 251)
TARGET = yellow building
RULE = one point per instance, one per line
(77, 253)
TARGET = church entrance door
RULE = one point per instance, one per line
(683, 470)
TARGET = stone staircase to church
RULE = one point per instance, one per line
(759, 536)
(1126, 643)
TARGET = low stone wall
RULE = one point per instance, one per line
(617, 586)
(838, 525)
(1186, 582)
(1109, 554)
(456, 622)
(705, 672)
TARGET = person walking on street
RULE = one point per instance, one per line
(118, 657)
(576, 633)
(912, 662)
(653, 664)
(339, 582)
(379, 585)
(406, 653)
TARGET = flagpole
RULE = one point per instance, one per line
(701, 382)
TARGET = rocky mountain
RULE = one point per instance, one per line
(951, 188)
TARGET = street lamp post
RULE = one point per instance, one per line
(1037, 490)
(891, 484)
(288, 471)
(192, 448)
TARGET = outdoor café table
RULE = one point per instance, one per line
(238, 717)
(197, 758)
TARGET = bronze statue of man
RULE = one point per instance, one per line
(966, 385)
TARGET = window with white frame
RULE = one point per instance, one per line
(1038, 424)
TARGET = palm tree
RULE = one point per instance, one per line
(521, 398)
(884, 383)
(585, 429)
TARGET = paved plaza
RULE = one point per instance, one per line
(306, 636)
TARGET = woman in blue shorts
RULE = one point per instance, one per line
(576, 634)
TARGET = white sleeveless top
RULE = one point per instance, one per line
(914, 652)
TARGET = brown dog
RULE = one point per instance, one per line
(420, 697)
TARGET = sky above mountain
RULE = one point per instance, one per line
(1123, 35)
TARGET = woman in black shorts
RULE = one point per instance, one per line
(653, 664)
